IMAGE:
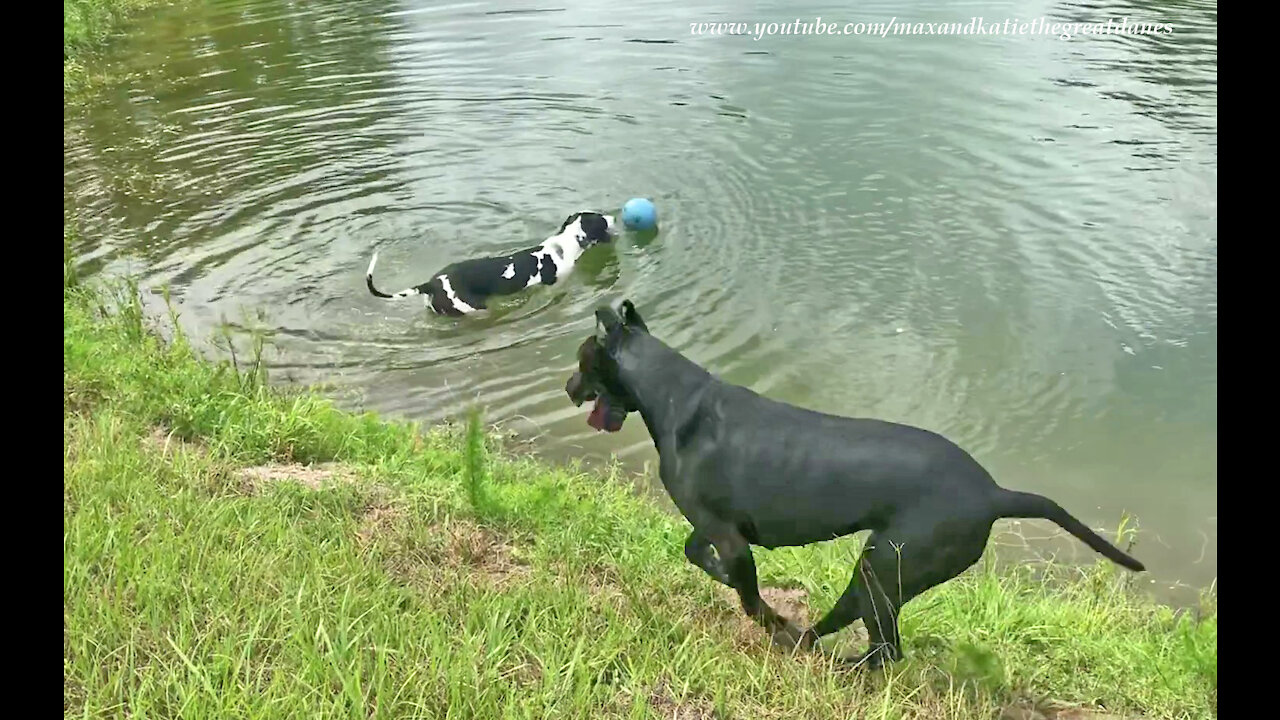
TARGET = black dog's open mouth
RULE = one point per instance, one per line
(605, 417)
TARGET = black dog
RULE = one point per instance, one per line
(746, 470)
(465, 287)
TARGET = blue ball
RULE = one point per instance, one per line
(639, 214)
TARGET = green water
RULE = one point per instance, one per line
(1009, 240)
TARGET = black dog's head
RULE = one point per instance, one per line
(588, 228)
(597, 376)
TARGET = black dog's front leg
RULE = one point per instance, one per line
(742, 576)
(697, 548)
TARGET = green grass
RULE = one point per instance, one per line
(433, 576)
(86, 27)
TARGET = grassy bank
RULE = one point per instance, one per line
(86, 27)
(231, 550)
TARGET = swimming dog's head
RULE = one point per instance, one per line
(588, 228)
(597, 376)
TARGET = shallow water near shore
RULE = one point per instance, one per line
(1008, 240)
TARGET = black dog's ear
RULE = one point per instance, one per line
(631, 317)
(607, 318)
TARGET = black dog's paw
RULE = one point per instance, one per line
(791, 637)
(786, 637)
(873, 659)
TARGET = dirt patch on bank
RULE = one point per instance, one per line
(166, 442)
(78, 398)
(254, 479)
(482, 551)
(423, 553)
(1054, 711)
(789, 602)
(454, 544)
(312, 477)
(665, 706)
(378, 519)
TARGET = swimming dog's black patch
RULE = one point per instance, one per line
(548, 274)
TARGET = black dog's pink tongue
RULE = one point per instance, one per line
(599, 414)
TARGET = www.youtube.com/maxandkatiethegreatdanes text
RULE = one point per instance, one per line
(975, 26)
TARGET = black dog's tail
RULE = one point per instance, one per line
(368, 280)
(1011, 503)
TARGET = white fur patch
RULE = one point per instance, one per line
(562, 251)
(510, 272)
(536, 277)
(453, 297)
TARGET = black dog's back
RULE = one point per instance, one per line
(868, 471)
(805, 475)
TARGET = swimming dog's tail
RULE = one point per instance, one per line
(368, 280)
(1012, 503)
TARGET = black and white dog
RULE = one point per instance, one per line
(465, 287)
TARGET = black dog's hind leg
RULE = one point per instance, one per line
(866, 597)
(898, 564)
(697, 548)
(735, 553)
(847, 609)
(879, 602)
